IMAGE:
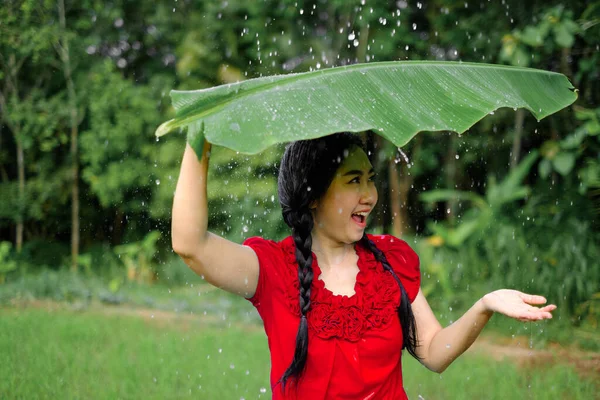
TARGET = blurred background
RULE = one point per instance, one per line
(94, 303)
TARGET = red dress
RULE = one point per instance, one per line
(354, 343)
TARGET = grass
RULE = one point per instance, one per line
(102, 354)
(68, 355)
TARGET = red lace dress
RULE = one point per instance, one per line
(354, 347)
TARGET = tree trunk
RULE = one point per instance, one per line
(516, 148)
(21, 173)
(64, 55)
(399, 184)
(361, 51)
(395, 199)
(15, 129)
(450, 166)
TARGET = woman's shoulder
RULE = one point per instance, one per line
(403, 260)
(275, 245)
(395, 246)
(275, 271)
(268, 249)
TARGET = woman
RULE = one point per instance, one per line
(338, 305)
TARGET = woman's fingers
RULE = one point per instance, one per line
(533, 299)
(534, 314)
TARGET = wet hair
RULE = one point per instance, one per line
(306, 171)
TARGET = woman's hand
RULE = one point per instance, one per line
(518, 305)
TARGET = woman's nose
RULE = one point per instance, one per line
(368, 194)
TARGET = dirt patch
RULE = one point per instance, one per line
(181, 320)
(517, 350)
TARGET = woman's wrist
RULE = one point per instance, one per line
(484, 307)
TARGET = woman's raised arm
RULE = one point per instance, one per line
(225, 264)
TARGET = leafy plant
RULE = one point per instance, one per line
(395, 99)
(561, 156)
(486, 208)
(137, 257)
(6, 264)
(555, 28)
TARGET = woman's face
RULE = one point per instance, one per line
(341, 214)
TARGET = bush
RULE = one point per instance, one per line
(560, 263)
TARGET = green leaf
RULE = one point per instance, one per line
(545, 167)
(512, 182)
(521, 57)
(432, 196)
(532, 36)
(395, 99)
(564, 162)
(562, 36)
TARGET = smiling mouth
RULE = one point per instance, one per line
(359, 218)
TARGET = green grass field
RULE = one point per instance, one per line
(106, 353)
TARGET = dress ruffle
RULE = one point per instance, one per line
(371, 307)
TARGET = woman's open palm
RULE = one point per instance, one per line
(518, 305)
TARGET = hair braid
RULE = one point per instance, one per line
(301, 232)
(407, 319)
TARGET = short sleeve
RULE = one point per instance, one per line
(403, 260)
(269, 255)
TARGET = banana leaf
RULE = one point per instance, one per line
(394, 99)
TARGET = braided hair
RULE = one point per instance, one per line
(407, 319)
(306, 172)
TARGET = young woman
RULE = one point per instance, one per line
(338, 305)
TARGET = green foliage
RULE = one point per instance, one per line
(579, 150)
(137, 257)
(41, 254)
(242, 194)
(59, 285)
(486, 209)
(556, 28)
(116, 124)
(6, 263)
(556, 259)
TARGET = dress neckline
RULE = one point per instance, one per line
(320, 284)
(361, 277)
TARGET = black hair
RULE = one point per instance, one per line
(306, 171)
